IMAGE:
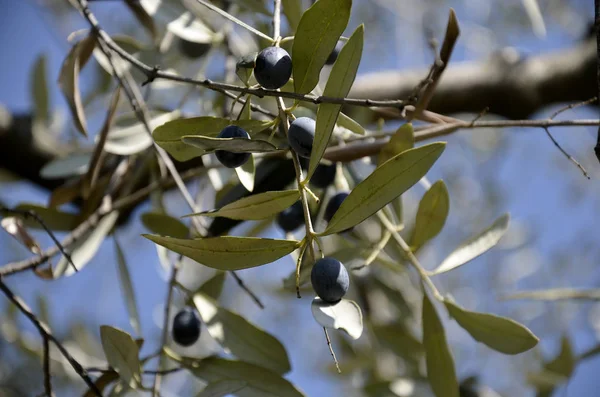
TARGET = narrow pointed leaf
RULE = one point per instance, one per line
(257, 206)
(475, 246)
(440, 364)
(222, 388)
(432, 214)
(235, 145)
(499, 333)
(344, 315)
(246, 173)
(85, 248)
(68, 80)
(293, 12)
(122, 354)
(557, 294)
(214, 286)
(316, 36)
(399, 340)
(164, 224)
(54, 219)
(564, 363)
(350, 124)
(385, 184)
(168, 136)
(260, 382)
(403, 139)
(243, 339)
(339, 84)
(127, 289)
(143, 17)
(73, 164)
(228, 252)
(39, 89)
(102, 382)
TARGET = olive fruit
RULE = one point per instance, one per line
(333, 205)
(329, 279)
(324, 175)
(231, 159)
(301, 136)
(186, 327)
(193, 50)
(334, 54)
(291, 218)
(273, 67)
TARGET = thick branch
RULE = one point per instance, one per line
(508, 84)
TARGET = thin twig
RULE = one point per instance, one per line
(597, 28)
(146, 372)
(47, 375)
(47, 334)
(337, 365)
(244, 287)
(567, 155)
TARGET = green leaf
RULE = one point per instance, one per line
(73, 164)
(256, 206)
(316, 36)
(432, 214)
(403, 139)
(475, 246)
(293, 12)
(246, 173)
(385, 184)
(142, 17)
(440, 364)
(134, 138)
(499, 333)
(222, 388)
(127, 289)
(344, 315)
(122, 352)
(39, 89)
(557, 294)
(86, 247)
(564, 363)
(228, 252)
(214, 286)
(339, 84)
(102, 382)
(350, 124)
(56, 220)
(168, 136)
(164, 224)
(243, 339)
(68, 79)
(260, 382)
(235, 145)
(400, 340)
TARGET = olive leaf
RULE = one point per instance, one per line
(555, 294)
(293, 12)
(431, 215)
(350, 124)
(122, 353)
(440, 364)
(222, 388)
(39, 89)
(68, 79)
(344, 315)
(213, 286)
(241, 338)
(386, 183)
(143, 17)
(228, 252)
(127, 288)
(56, 220)
(318, 32)
(164, 224)
(403, 139)
(256, 206)
(499, 333)
(260, 382)
(73, 164)
(246, 173)
(475, 246)
(339, 83)
(168, 136)
(234, 145)
(400, 340)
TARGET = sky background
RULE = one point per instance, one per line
(552, 241)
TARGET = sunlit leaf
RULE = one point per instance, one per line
(68, 79)
(39, 89)
(54, 219)
(122, 354)
(235, 145)
(344, 315)
(338, 85)
(246, 173)
(164, 224)
(499, 333)
(133, 139)
(228, 252)
(73, 164)
(403, 139)
(350, 124)
(14, 226)
(385, 184)
(565, 361)
(557, 294)
(432, 214)
(243, 339)
(293, 12)
(261, 382)
(475, 246)
(127, 289)
(214, 286)
(168, 136)
(86, 247)
(189, 28)
(440, 364)
(222, 388)
(318, 32)
(256, 206)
